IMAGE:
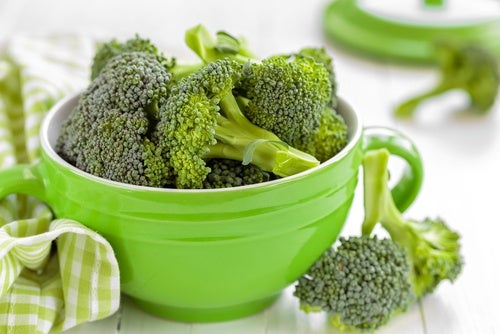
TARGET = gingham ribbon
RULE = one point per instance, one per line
(54, 274)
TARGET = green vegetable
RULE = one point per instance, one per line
(148, 120)
(285, 94)
(328, 139)
(107, 134)
(320, 56)
(468, 68)
(433, 248)
(201, 119)
(365, 281)
(361, 283)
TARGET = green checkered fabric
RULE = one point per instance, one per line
(54, 273)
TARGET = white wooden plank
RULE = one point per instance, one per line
(107, 325)
(134, 320)
(254, 324)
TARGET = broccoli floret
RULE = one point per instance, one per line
(106, 51)
(226, 173)
(201, 119)
(330, 137)
(361, 283)
(365, 281)
(433, 248)
(285, 95)
(321, 56)
(469, 68)
(107, 134)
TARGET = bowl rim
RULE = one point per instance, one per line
(48, 135)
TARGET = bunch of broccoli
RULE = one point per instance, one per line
(147, 120)
(365, 281)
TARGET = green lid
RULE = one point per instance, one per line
(348, 24)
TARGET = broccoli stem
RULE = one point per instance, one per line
(407, 109)
(379, 203)
(210, 48)
(180, 71)
(239, 139)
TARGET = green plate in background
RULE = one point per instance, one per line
(345, 23)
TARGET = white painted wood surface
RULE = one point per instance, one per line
(461, 156)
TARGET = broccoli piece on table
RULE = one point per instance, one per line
(201, 120)
(365, 281)
(112, 48)
(469, 68)
(107, 134)
(226, 173)
(433, 248)
(361, 283)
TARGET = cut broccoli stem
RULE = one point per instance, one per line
(239, 139)
(209, 49)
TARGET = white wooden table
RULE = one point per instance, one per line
(461, 157)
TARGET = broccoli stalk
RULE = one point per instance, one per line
(468, 68)
(240, 139)
(433, 248)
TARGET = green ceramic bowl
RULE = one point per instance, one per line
(211, 255)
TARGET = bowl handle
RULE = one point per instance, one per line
(407, 188)
(22, 178)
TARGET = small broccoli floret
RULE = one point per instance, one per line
(201, 119)
(320, 56)
(106, 51)
(285, 95)
(433, 248)
(226, 173)
(361, 283)
(107, 134)
(469, 68)
(330, 137)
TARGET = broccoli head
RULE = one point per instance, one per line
(321, 56)
(285, 95)
(328, 139)
(433, 248)
(469, 68)
(106, 51)
(361, 283)
(107, 134)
